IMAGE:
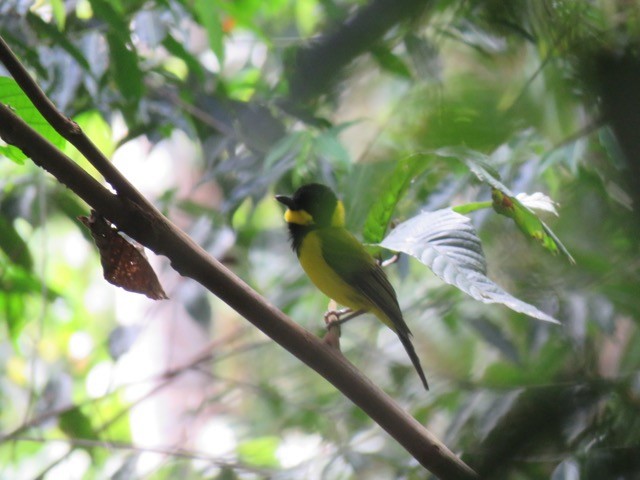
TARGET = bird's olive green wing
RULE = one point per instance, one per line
(348, 258)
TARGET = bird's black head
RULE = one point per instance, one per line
(313, 205)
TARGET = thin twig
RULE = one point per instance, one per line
(390, 261)
(177, 452)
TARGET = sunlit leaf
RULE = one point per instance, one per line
(307, 17)
(98, 130)
(447, 243)
(209, 16)
(13, 96)
(260, 451)
(59, 13)
(177, 49)
(391, 192)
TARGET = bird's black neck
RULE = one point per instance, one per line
(296, 235)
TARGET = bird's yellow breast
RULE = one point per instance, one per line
(324, 277)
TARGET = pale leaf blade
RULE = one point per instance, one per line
(447, 243)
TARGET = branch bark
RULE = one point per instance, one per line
(148, 226)
(67, 128)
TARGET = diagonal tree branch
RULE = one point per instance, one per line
(67, 128)
(156, 232)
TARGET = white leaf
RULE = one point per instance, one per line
(447, 243)
(538, 202)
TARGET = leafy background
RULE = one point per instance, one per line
(210, 108)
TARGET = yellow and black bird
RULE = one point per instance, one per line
(337, 263)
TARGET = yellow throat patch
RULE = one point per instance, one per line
(299, 217)
(302, 217)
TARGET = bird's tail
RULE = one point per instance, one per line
(408, 346)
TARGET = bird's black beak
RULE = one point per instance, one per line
(286, 201)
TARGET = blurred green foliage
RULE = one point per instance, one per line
(509, 81)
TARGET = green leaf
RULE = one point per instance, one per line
(125, 68)
(12, 307)
(209, 16)
(59, 13)
(123, 56)
(98, 130)
(528, 222)
(307, 17)
(176, 49)
(117, 22)
(550, 360)
(58, 38)
(389, 61)
(17, 280)
(504, 375)
(328, 145)
(77, 425)
(392, 190)
(13, 245)
(260, 451)
(16, 283)
(505, 202)
(284, 148)
(13, 96)
(447, 243)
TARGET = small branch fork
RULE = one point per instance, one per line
(137, 217)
